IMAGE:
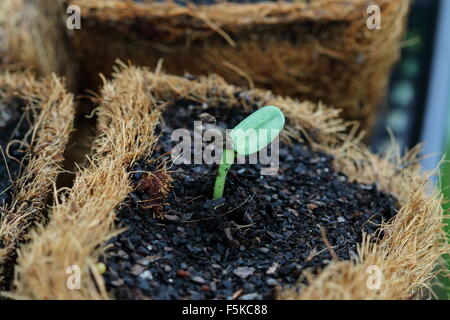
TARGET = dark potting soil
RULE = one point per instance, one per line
(13, 126)
(262, 235)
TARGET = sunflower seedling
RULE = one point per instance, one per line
(250, 136)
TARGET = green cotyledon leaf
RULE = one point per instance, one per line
(257, 130)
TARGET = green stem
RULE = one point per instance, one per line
(225, 164)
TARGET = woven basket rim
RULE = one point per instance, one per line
(50, 134)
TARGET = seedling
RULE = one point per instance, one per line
(251, 135)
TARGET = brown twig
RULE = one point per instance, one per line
(328, 244)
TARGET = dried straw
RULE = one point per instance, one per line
(53, 111)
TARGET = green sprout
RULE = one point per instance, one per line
(251, 135)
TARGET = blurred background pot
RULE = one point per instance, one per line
(316, 50)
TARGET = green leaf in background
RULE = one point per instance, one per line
(257, 130)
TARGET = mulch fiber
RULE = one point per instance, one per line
(35, 122)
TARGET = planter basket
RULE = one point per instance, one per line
(51, 110)
(314, 50)
(83, 221)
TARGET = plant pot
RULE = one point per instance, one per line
(35, 121)
(14, 54)
(115, 193)
(319, 50)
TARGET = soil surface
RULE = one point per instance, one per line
(13, 126)
(261, 236)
